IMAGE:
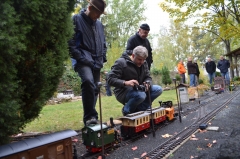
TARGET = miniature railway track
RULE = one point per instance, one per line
(202, 104)
(124, 142)
(163, 149)
(139, 136)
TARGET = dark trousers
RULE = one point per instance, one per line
(183, 79)
(89, 78)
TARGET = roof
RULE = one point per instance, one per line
(182, 85)
(27, 144)
(234, 52)
(96, 127)
(156, 109)
(135, 115)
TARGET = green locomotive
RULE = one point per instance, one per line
(92, 137)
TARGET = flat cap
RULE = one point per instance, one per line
(145, 27)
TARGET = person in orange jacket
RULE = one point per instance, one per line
(182, 71)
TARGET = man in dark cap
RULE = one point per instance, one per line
(140, 38)
(88, 52)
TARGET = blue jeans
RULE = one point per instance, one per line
(211, 77)
(192, 80)
(108, 89)
(90, 90)
(227, 78)
(139, 101)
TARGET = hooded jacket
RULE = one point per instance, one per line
(88, 46)
(181, 68)
(124, 70)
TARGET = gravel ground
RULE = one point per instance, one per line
(221, 144)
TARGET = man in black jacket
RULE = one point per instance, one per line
(197, 73)
(88, 51)
(127, 74)
(192, 71)
(211, 69)
(140, 38)
(223, 65)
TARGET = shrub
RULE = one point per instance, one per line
(70, 80)
(166, 76)
(155, 71)
(236, 79)
(218, 74)
(178, 77)
(200, 81)
(33, 44)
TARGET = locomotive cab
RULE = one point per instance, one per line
(170, 114)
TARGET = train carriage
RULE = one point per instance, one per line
(134, 123)
(158, 115)
(55, 145)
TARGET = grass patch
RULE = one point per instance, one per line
(70, 115)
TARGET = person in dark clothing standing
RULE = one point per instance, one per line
(88, 51)
(140, 38)
(211, 69)
(197, 73)
(223, 66)
(192, 70)
(127, 73)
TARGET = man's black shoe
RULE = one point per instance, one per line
(91, 121)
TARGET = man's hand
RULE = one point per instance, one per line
(147, 86)
(131, 83)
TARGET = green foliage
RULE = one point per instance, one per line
(155, 71)
(122, 20)
(113, 54)
(178, 77)
(166, 76)
(218, 74)
(200, 81)
(220, 18)
(33, 44)
(70, 80)
(236, 78)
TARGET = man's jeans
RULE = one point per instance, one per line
(211, 77)
(227, 78)
(89, 78)
(192, 80)
(108, 89)
(139, 101)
